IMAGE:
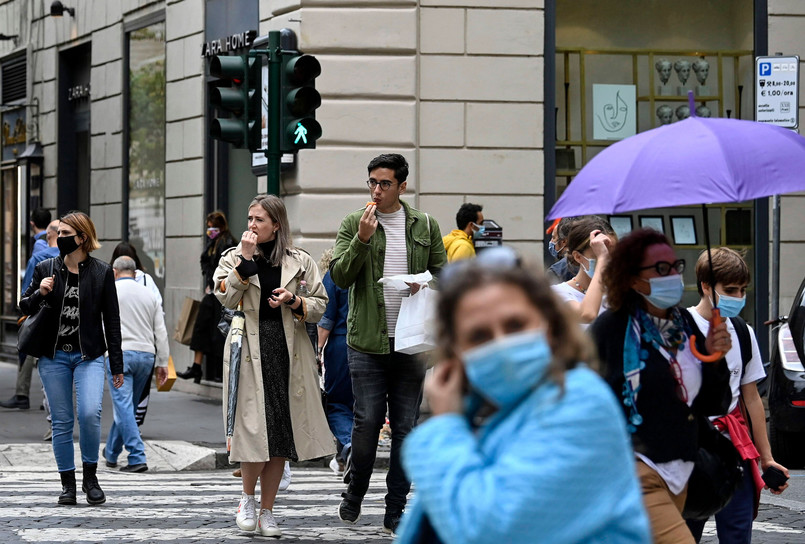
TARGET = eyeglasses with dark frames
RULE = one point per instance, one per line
(385, 185)
(664, 268)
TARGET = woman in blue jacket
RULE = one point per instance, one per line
(526, 443)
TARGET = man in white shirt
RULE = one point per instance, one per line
(144, 342)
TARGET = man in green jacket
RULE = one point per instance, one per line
(386, 238)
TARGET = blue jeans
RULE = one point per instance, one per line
(338, 386)
(734, 521)
(377, 380)
(137, 369)
(59, 376)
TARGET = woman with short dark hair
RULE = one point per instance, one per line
(82, 321)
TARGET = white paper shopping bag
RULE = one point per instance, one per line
(416, 325)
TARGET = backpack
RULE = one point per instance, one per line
(744, 341)
(745, 344)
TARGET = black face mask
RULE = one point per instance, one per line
(67, 245)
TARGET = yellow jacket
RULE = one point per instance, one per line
(458, 246)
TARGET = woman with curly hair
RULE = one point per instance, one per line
(644, 341)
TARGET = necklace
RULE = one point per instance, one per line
(579, 287)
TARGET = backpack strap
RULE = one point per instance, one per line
(744, 341)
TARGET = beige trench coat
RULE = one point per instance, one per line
(311, 433)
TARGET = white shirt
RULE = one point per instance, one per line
(395, 263)
(568, 293)
(754, 368)
(142, 325)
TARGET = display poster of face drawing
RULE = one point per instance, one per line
(682, 113)
(614, 111)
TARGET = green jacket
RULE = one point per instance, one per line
(359, 266)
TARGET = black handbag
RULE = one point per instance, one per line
(717, 473)
(31, 325)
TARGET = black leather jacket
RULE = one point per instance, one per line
(98, 310)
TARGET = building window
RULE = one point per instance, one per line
(146, 147)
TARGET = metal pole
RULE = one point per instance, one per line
(775, 258)
(273, 154)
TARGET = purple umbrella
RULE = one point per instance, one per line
(695, 161)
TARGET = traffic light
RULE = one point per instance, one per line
(299, 100)
(241, 99)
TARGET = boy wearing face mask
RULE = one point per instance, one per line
(745, 421)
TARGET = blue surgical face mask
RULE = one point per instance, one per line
(552, 250)
(481, 229)
(591, 271)
(730, 306)
(666, 291)
(504, 371)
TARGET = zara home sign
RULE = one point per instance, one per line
(241, 40)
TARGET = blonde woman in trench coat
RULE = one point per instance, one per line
(265, 253)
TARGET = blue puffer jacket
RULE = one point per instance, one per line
(556, 468)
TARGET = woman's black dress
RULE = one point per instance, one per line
(274, 361)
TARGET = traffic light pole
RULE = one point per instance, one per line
(272, 153)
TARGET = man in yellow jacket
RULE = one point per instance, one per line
(458, 243)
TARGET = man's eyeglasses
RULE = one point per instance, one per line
(664, 268)
(385, 185)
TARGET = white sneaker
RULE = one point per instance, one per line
(286, 477)
(247, 517)
(335, 466)
(267, 524)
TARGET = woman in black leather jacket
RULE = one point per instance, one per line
(644, 343)
(81, 322)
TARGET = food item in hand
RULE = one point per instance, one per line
(370, 203)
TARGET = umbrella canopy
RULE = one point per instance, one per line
(695, 161)
(236, 344)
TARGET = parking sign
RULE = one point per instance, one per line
(777, 91)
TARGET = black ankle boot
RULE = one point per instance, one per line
(67, 487)
(90, 485)
(193, 371)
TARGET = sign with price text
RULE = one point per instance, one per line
(777, 91)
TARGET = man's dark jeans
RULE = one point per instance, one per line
(395, 379)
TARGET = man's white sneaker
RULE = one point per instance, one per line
(247, 517)
(267, 524)
(286, 477)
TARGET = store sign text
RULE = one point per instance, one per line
(77, 92)
(230, 43)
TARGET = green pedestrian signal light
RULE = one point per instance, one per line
(299, 100)
(241, 99)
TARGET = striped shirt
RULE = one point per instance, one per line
(395, 263)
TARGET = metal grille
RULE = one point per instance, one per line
(13, 81)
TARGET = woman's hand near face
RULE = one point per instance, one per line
(445, 388)
(601, 244)
(248, 245)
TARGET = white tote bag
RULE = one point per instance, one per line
(416, 324)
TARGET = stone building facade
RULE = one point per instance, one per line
(457, 86)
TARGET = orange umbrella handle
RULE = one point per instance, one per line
(715, 320)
